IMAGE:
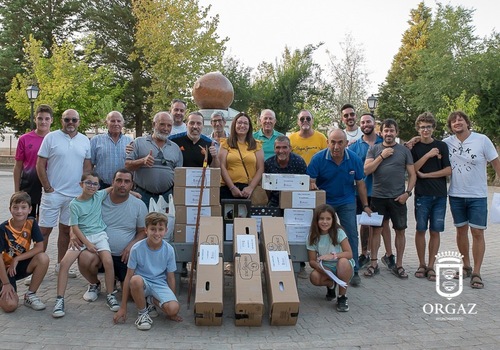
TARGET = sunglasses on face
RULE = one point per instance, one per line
(73, 120)
(305, 118)
(347, 115)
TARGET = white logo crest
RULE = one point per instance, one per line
(448, 266)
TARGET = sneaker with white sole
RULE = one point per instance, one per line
(33, 301)
(71, 272)
(144, 322)
(342, 305)
(58, 308)
(112, 302)
(92, 292)
(151, 307)
(27, 280)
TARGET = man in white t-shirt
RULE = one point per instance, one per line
(178, 112)
(62, 159)
(470, 152)
(352, 130)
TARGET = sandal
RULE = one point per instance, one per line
(371, 271)
(476, 282)
(467, 272)
(421, 272)
(430, 274)
(400, 272)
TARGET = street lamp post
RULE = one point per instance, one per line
(372, 102)
(32, 92)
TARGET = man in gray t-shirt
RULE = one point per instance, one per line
(124, 216)
(388, 162)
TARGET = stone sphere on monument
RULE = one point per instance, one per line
(213, 91)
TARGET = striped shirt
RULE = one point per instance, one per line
(108, 156)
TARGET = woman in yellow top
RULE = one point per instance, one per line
(241, 160)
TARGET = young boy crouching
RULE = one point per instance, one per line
(19, 260)
(150, 275)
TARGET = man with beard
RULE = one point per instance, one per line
(108, 150)
(468, 192)
(283, 162)
(193, 143)
(389, 162)
(267, 135)
(360, 147)
(153, 159)
(178, 111)
(339, 172)
(307, 142)
(62, 159)
(352, 131)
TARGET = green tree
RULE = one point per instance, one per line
(48, 21)
(117, 49)
(395, 98)
(66, 81)
(178, 43)
(287, 86)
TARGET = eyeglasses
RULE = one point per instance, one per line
(425, 127)
(162, 158)
(215, 121)
(347, 115)
(73, 120)
(91, 184)
(305, 118)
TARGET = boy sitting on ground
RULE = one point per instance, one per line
(19, 260)
(150, 275)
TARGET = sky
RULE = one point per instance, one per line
(259, 30)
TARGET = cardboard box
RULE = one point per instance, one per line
(285, 182)
(297, 233)
(283, 298)
(188, 215)
(191, 177)
(299, 199)
(298, 216)
(184, 233)
(189, 196)
(208, 304)
(248, 300)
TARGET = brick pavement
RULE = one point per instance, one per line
(385, 313)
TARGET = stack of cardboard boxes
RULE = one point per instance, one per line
(187, 190)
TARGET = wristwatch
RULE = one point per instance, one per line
(409, 193)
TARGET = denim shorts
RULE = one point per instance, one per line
(471, 211)
(430, 210)
(160, 291)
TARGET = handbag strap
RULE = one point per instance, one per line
(242, 162)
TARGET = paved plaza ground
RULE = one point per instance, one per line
(385, 312)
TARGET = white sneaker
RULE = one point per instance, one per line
(92, 292)
(112, 302)
(27, 280)
(71, 272)
(58, 308)
(144, 322)
(34, 302)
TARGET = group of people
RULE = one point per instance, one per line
(360, 170)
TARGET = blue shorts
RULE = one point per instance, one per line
(471, 211)
(159, 291)
(430, 210)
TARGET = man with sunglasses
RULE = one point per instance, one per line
(153, 159)
(307, 142)
(352, 131)
(62, 159)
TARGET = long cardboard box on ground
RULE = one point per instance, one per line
(187, 215)
(285, 182)
(191, 177)
(248, 300)
(208, 303)
(189, 196)
(301, 199)
(283, 298)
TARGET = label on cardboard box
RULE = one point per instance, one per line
(297, 233)
(208, 254)
(298, 216)
(246, 244)
(302, 199)
(279, 261)
(285, 182)
(188, 215)
(191, 177)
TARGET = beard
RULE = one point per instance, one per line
(162, 136)
(367, 131)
